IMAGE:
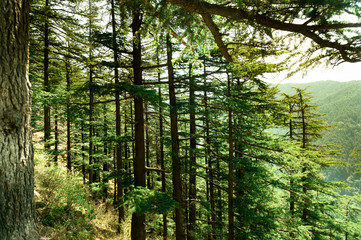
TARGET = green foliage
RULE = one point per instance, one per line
(63, 201)
(144, 200)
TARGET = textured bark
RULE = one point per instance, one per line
(138, 219)
(176, 165)
(17, 207)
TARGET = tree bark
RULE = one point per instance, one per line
(17, 207)
(138, 219)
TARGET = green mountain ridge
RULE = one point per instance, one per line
(341, 102)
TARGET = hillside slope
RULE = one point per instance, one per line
(341, 102)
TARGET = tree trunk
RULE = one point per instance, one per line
(161, 156)
(47, 129)
(68, 119)
(118, 126)
(138, 219)
(304, 168)
(147, 146)
(56, 135)
(176, 165)
(91, 104)
(292, 184)
(209, 160)
(193, 158)
(17, 207)
(230, 170)
(161, 150)
(105, 160)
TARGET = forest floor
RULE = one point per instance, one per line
(66, 209)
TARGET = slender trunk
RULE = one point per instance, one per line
(230, 170)
(292, 195)
(193, 157)
(147, 145)
(118, 126)
(83, 151)
(47, 129)
(304, 168)
(176, 165)
(126, 160)
(132, 131)
(105, 161)
(56, 135)
(17, 206)
(138, 219)
(91, 104)
(68, 131)
(209, 160)
(161, 150)
(161, 134)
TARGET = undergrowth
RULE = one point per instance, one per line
(66, 208)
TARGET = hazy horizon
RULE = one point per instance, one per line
(345, 72)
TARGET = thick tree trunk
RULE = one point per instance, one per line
(138, 219)
(176, 165)
(17, 207)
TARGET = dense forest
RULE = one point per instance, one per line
(150, 120)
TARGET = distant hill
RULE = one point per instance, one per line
(341, 101)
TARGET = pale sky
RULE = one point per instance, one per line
(342, 73)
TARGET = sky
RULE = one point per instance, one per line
(341, 73)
